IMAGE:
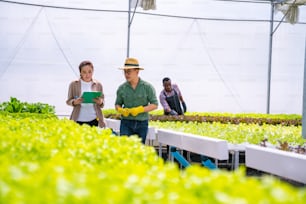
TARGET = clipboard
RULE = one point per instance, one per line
(88, 96)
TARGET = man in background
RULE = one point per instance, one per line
(171, 99)
(172, 102)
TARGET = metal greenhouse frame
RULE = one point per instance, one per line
(272, 31)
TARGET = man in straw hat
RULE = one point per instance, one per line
(135, 98)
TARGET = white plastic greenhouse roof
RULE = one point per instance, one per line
(219, 56)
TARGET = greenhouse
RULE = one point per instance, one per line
(239, 65)
(199, 44)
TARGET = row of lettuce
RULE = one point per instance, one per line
(265, 135)
(282, 131)
(225, 118)
(16, 106)
(235, 128)
(49, 160)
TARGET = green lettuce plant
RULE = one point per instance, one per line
(238, 133)
(16, 106)
(54, 160)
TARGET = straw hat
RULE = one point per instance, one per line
(131, 63)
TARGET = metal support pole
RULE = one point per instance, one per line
(270, 57)
(304, 98)
(129, 28)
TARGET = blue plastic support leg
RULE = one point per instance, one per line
(207, 162)
(114, 132)
(179, 157)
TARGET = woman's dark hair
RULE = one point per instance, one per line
(85, 63)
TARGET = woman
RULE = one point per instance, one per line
(86, 113)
